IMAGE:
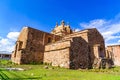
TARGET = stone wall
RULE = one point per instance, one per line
(83, 34)
(68, 53)
(95, 41)
(96, 45)
(57, 54)
(113, 52)
(76, 50)
(79, 57)
(30, 45)
(22, 40)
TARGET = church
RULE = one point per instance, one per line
(61, 47)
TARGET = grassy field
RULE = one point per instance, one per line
(38, 72)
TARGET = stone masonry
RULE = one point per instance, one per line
(113, 52)
(67, 53)
(30, 45)
(62, 47)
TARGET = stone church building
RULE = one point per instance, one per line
(62, 47)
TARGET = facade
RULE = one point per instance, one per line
(113, 52)
(62, 47)
(30, 45)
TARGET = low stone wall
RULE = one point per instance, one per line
(57, 54)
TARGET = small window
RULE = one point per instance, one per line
(49, 40)
(20, 45)
(101, 52)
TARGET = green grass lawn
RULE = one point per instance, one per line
(38, 72)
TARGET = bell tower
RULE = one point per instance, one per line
(61, 29)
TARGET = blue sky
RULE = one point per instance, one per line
(43, 15)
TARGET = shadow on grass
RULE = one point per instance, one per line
(7, 78)
(32, 78)
(3, 76)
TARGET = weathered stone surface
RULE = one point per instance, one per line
(15, 69)
(113, 53)
(57, 54)
(62, 47)
(30, 45)
(96, 45)
(79, 55)
(46, 67)
(83, 34)
(57, 46)
(93, 39)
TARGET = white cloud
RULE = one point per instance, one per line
(110, 29)
(98, 23)
(4, 41)
(7, 44)
(118, 41)
(13, 35)
(77, 29)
